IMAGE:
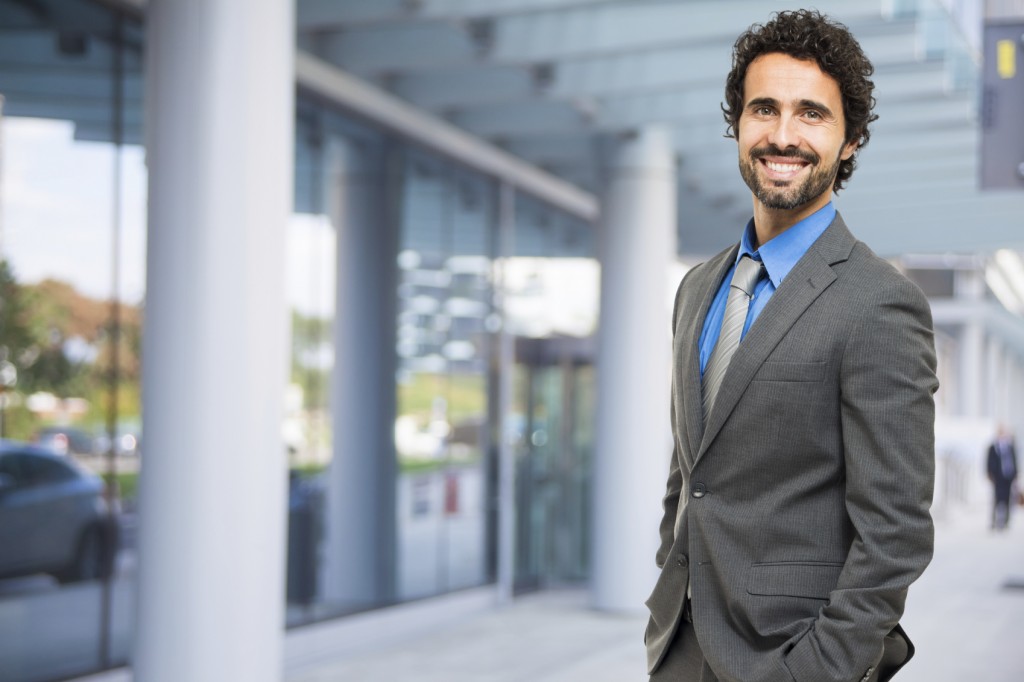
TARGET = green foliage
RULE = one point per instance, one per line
(465, 395)
(308, 335)
(19, 423)
(308, 470)
(127, 484)
(19, 341)
(37, 320)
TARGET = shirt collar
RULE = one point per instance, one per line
(781, 253)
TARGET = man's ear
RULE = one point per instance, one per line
(849, 149)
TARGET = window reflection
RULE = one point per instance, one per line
(72, 273)
(445, 293)
(551, 291)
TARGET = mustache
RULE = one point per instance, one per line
(789, 152)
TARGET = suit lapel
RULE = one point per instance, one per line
(811, 275)
(690, 349)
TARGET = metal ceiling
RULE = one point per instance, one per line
(547, 79)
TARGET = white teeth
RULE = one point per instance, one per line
(783, 167)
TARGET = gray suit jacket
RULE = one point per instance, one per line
(799, 513)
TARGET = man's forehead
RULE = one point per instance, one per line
(777, 71)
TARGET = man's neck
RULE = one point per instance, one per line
(771, 222)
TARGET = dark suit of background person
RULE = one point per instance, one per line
(797, 513)
(1002, 471)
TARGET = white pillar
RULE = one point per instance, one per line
(991, 390)
(972, 372)
(970, 288)
(506, 561)
(1015, 396)
(219, 119)
(360, 551)
(632, 437)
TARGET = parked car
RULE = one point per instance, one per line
(66, 440)
(53, 517)
(126, 444)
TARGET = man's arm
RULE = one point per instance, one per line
(888, 414)
(670, 502)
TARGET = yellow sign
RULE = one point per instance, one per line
(1006, 58)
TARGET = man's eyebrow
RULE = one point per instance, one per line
(811, 104)
(803, 104)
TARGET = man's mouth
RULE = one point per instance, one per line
(783, 168)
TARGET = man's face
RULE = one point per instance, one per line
(791, 132)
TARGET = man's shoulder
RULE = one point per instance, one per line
(869, 284)
(877, 272)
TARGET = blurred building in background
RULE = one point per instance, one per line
(388, 286)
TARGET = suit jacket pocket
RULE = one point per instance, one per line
(791, 371)
(814, 580)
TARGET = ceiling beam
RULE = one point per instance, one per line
(698, 70)
(391, 113)
(577, 32)
(619, 27)
(313, 15)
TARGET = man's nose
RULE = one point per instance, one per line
(785, 133)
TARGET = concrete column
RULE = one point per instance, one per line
(360, 549)
(219, 119)
(994, 379)
(972, 370)
(505, 569)
(632, 437)
(1011, 395)
(970, 289)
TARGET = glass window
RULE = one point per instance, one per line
(72, 273)
(445, 256)
(551, 290)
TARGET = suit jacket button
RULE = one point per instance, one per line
(682, 560)
(698, 490)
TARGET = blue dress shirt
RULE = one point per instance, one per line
(779, 255)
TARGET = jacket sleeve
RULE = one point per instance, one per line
(670, 504)
(670, 501)
(887, 383)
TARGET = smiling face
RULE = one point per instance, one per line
(791, 139)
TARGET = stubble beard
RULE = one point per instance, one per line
(784, 195)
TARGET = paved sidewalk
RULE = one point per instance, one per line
(548, 637)
(968, 627)
(966, 622)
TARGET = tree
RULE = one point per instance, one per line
(18, 342)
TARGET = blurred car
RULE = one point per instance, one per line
(126, 444)
(66, 440)
(53, 517)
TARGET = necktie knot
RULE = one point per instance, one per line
(748, 271)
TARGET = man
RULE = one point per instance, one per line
(1002, 472)
(797, 505)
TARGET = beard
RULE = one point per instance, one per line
(784, 194)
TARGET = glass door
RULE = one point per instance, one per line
(553, 473)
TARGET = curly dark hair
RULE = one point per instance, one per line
(809, 35)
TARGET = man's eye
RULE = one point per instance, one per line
(763, 111)
(813, 114)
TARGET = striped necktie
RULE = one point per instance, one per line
(744, 279)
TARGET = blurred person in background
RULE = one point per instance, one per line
(1002, 472)
(797, 506)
